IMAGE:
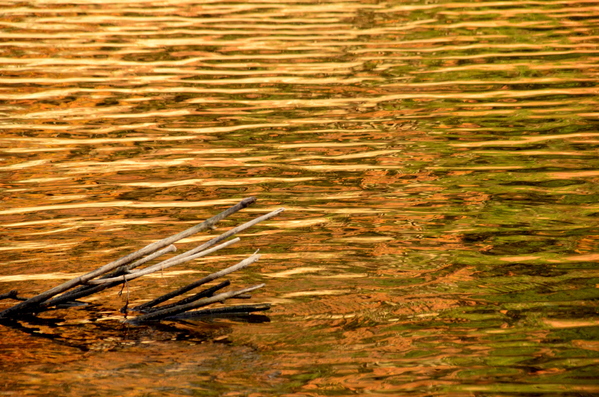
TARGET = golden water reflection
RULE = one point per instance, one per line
(438, 163)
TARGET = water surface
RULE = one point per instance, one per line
(439, 164)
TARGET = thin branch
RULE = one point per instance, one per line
(86, 290)
(240, 228)
(34, 303)
(191, 254)
(223, 236)
(239, 310)
(162, 265)
(170, 248)
(193, 305)
(203, 294)
(12, 295)
(244, 263)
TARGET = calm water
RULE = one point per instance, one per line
(439, 162)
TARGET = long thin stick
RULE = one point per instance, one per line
(203, 294)
(162, 265)
(240, 228)
(86, 290)
(33, 303)
(224, 236)
(170, 248)
(193, 305)
(244, 263)
(220, 311)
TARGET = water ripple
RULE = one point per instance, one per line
(438, 163)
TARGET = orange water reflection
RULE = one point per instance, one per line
(438, 163)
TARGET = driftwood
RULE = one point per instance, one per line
(124, 270)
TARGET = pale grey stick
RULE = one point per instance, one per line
(193, 305)
(162, 265)
(204, 246)
(244, 263)
(230, 233)
(170, 248)
(210, 243)
(86, 290)
(36, 300)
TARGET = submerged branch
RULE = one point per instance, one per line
(33, 304)
(189, 287)
(203, 294)
(160, 314)
(216, 312)
(124, 270)
(12, 295)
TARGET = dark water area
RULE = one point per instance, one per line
(438, 162)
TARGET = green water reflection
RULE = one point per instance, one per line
(439, 163)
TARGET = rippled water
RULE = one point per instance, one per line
(438, 162)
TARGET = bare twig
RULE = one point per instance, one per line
(170, 248)
(12, 295)
(240, 228)
(222, 237)
(203, 294)
(159, 314)
(230, 310)
(86, 290)
(163, 265)
(122, 270)
(33, 304)
(244, 263)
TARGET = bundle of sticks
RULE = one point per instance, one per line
(125, 269)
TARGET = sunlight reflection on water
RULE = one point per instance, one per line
(438, 162)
